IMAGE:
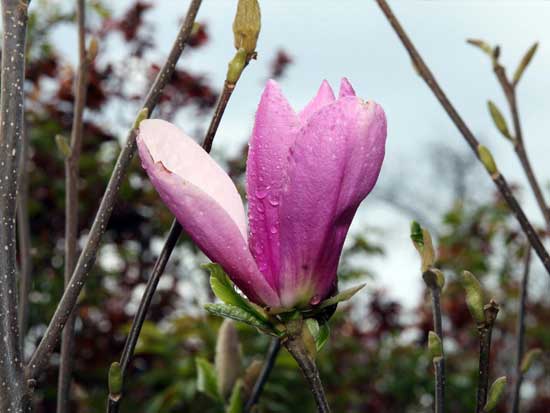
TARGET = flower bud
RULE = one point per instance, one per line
(495, 393)
(246, 26)
(435, 346)
(524, 63)
(529, 358)
(63, 145)
(115, 380)
(474, 296)
(93, 48)
(236, 67)
(487, 159)
(499, 120)
(228, 358)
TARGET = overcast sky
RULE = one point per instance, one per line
(330, 39)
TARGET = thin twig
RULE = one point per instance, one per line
(71, 208)
(472, 141)
(14, 396)
(509, 90)
(160, 265)
(520, 332)
(296, 348)
(271, 356)
(439, 367)
(87, 257)
(24, 239)
(485, 331)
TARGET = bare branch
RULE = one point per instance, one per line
(14, 396)
(87, 257)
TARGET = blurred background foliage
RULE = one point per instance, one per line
(376, 359)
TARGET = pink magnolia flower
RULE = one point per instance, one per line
(307, 173)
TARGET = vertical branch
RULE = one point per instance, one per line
(485, 331)
(498, 179)
(87, 257)
(520, 332)
(269, 362)
(439, 362)
(71, 207)
(13, 390)
(24, 239)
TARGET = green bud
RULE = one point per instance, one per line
(529, 358)
(434, 278)
(246, 26)
(435, 346)
(236, 67)
(474, 296)
(495, 394)
(482, 46)
(422, 241)
(487, 159)
(142, 115)
(195, 29)
(63, 145)
(416, 236)
(115, 379)
(499, 120)
(524, 63)
(228, 358)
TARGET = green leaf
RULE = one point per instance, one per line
(495, 394)
(236, 401)
(206, 378)
(524, 63)
(435, 346)
(482, 46)
(320, 333)
(343, 296)
(529, 358)
(223, 289)
(474, 296)
(498, 120)
(238, 314)
(417, 236)
(115, 379)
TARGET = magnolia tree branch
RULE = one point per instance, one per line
(162, 260)
(14, 395)
(509, 90)
(24, 238)
(87, 257)
(71, 207)
(496, 176)
(485, 331)
(271, 356)
(520, 332)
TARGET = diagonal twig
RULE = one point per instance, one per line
(498, 179)
(271, 356)
(87, 257)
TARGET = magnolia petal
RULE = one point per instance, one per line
(183, 156)
(346, 89)
(210, 227)
(333, 165)
(274, 131)
(324, 96)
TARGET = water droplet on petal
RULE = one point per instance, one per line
(273, 229)
(315, 300)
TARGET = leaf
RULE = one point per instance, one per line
(343, 296)
(320, 333)
(206, 378)
(417, 236)
(223, 289)
(238, 314)
(498, 120)
(524, 63)
(435, 346)
(474, 296)
(482, 46)
(236, 401)
(529, 358)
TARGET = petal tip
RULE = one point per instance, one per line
(346, 89)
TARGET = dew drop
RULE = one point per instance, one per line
(315, 300)
(273, 229)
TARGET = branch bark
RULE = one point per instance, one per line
(269, 362)
(485, 331)
(520, 332)
(498, 179)
(71, 207)
(87, 257)
(14, 395)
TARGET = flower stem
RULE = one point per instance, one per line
(485, 331)
(269, 362)
(498, 179)
(296, 347)
(439, 362)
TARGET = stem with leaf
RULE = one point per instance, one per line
(87, 258)
(71, 207)
(520, 332)
(14, 395)
(271, 356)
(498, 179)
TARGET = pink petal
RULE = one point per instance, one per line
(333, 166)
(346, 89)
(324, 96)
(274, 132)
(201, 214)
